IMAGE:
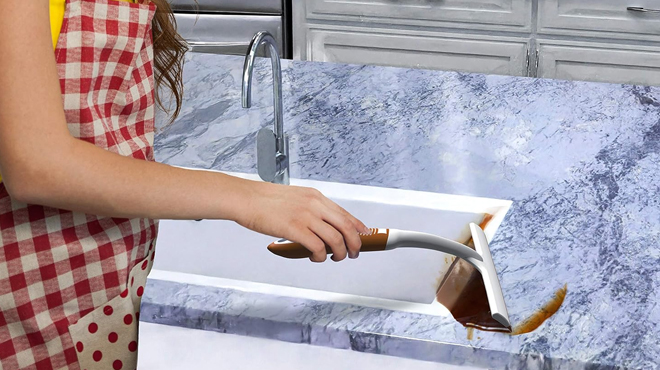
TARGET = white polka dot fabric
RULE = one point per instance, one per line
(107, 337)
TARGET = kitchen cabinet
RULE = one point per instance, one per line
(592, 40)
(419, 50)
(601, 18)
(599, 62)
(512, 15)
(201, 31)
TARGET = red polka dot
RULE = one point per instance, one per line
(97, 356)
(93, 328)
(132, 280)
(140, 291)
(144, 265)
(128, 319)
(124, 293)
(79, 346)
(132, 346)
(112, 337)
(107, 310)
(117, 365)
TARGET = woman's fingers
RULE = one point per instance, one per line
(314, 244)
(309, 218)
(350, 237)
(342, 222)
(332, 238)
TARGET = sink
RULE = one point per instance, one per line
(222, 253)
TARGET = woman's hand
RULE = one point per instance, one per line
(301, 215)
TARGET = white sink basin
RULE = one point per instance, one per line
(403, 279)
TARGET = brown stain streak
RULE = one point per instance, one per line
(528, 325)
(487, 218)
(542, 314)
(487, 328)
(463, 293)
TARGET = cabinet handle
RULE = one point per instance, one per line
(527, 62)
(536, 63)
(643, 10)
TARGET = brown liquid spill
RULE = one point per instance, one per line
(542, 314)
(463, 293)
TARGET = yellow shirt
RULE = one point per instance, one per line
(57, 8)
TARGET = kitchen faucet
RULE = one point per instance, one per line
(272, 147)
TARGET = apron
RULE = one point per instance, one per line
(71, 283)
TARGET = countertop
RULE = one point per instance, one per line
(579, 160)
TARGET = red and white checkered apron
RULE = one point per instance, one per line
(71, 283)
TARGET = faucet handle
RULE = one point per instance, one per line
(266, 154)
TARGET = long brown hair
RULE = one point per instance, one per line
(169, 50)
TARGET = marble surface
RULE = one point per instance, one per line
(164, 347)
(581, 162)
(336, 325)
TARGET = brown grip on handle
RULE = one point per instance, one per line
(370, 243)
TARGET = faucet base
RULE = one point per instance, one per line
(272, 157)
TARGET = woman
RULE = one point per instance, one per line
(81, 193)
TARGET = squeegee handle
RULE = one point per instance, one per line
(376, 241)
(414, 239)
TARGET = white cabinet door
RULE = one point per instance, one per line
(511, 15)
(600, 18)
(201, 31)
(420, 50)
(599, 62)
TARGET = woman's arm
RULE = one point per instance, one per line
(41, 163)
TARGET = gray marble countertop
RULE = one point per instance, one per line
(581, 162)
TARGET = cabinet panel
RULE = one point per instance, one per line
(201, 31)
(476, 14)
(601, 63)
(439, 51)
(272, 7)
(600, 18)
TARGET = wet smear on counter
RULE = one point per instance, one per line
(542, 314)
(463, 293)
(534, 321)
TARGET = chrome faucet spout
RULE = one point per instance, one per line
(277, 171)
